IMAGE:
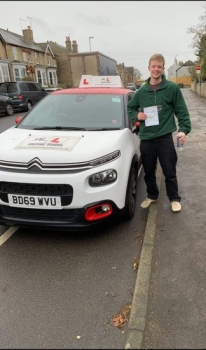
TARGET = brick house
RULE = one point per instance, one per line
(20, 57)
(63, 63)
(125, 74)
(180, 73)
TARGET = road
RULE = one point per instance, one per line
(61, 290)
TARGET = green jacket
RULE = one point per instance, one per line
(170, 103)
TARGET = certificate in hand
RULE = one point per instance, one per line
(152, 116)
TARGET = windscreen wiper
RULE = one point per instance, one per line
(103, 129)
(58, 128)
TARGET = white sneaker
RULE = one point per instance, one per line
(176, 206)
(147, 202)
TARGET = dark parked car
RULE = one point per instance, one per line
(24, 94)
(6, 105)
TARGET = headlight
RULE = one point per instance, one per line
(103, 178)
(105, 159)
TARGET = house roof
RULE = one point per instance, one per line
(46, 45)
(187, 64)
(60, 46)
(18, 40)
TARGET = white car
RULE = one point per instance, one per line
(72, 162)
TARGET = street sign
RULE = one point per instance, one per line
(198, 69)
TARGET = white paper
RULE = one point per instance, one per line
(152, 116)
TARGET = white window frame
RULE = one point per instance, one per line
(25, 56)
(36, 57)
(4, 73)
(53, 77)
(15, 52)
(42, 80)
(21, 73)
(29, 58)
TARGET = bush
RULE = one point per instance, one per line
(28, 78)
(66, 85)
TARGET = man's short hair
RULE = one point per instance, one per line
(157, 57)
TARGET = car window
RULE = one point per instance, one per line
(77, 110)
(38, 87)
(24, 87)
(12, 87)
(32, 87)
(4, 88)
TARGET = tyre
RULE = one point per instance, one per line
(28, 106)
(9, 109)
(131, 196)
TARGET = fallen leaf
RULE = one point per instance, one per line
(135, 264)
(122, 317)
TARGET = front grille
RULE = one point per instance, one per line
(36, 189)
(44, 215)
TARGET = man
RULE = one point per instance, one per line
(157, 123)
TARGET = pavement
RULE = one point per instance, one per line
(169, 302)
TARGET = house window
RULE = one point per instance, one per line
(25, 56)
(36, 57)
(48, 60)
(39, 79)
(29, 57)
(55, 78)
(44, 78)
(5, 72)
(19, 73)
(15, 53)
(52, 78)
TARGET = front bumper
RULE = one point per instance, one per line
(64, 219)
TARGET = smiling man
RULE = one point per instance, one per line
(155, 105)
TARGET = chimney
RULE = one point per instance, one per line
(68, 43)
(74, 46)
(28, 34)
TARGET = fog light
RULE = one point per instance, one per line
(105, 208)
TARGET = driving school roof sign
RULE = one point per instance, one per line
(100, 81)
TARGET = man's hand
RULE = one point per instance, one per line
(141, 116)
(182, 137)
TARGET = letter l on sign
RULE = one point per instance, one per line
(55, 140)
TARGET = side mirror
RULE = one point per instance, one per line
(18, 119)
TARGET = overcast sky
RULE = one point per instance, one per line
(127, 31)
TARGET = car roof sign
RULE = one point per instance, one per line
(100, 81)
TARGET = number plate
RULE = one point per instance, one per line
(40, 202)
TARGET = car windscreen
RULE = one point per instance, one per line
(86, 111)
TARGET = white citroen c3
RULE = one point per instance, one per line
(72, 162)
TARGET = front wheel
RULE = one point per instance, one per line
(9, 109)
(130, 203)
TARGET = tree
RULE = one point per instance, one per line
(199, 44)
(137, 73)
(198, 31)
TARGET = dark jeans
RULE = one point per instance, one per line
(161, 148)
